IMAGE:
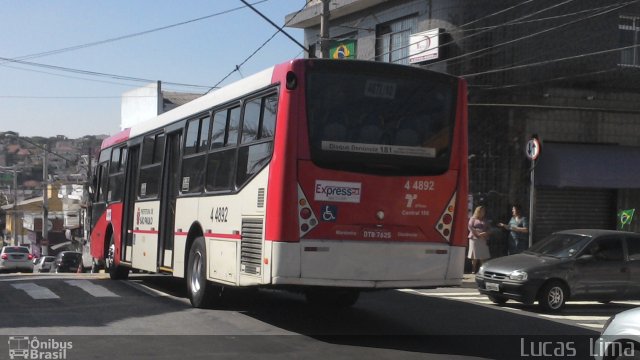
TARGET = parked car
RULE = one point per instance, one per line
(16, 258)
(598, 265)
(43, 264)
(67, 261)
(620, 337)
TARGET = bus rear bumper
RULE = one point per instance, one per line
(400, 284)
(367, 264)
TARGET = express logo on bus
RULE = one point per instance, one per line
(337, 191)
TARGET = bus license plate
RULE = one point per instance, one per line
(492, 286)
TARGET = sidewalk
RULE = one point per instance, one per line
(469, 281)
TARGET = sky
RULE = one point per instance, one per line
(37, 100)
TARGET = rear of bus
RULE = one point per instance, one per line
(377, 194)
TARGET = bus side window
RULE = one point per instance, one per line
(193, 163)
(222, 157)
(152, 153)
(117, 168)
(234, 126)
(254, 157)
(251, 121)
(218, 129)
(268, 124)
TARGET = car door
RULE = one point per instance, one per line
(604, 275)
(633, 253)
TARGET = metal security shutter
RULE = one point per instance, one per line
(561, 209)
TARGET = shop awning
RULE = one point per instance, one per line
(588, 166)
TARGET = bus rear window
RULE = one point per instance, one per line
(379, 122)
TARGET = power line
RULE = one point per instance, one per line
(508, 22)
(274, 25)
(20, 60)
(474, 34)
(496, 13)
(128, 36)
(546, 62)
(67, 76)
(237, 67)
(94, 73)
(624, 4)
(540, 32)
(560, 78)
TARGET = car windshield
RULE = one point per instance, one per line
(15, 249)
(560, 245)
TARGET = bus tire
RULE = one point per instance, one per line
(116, 272)
(332, 297)
(202, 294)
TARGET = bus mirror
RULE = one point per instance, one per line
(93, 185)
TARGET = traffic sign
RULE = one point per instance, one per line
(533, 149)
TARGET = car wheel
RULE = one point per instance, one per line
(500, 300)
(202, 294)
(553, 296)
(115, 272)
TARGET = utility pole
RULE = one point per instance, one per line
(14, 218)
(44, 243)
(324, 30)
(15, 206)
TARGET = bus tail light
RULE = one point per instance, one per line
(306, 218)
(446, 219)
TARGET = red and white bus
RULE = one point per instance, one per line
(323, 175)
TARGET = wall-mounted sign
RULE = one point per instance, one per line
(424, 46)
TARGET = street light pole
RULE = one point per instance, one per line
(14, 220)
(15, 207)
(44, 243)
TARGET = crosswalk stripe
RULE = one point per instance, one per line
(35, 291)
(91, 288)
(577, 318)
(595, 326)
(471, 297)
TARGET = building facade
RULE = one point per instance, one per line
(565, 72)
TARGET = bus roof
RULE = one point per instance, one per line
(205, 102)
(115, 139)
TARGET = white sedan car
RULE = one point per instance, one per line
(620, 338)
(16, 258)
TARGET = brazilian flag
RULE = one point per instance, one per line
(625, 217)
(343, 49)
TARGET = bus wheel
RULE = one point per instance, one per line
(202, 294)
(332, 297)
(115, 272)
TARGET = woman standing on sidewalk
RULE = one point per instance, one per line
(478, 235)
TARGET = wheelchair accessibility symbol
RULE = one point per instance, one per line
(329, 213)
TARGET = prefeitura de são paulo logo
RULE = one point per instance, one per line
(30, 347)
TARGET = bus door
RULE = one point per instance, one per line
(128, 203)
(168, 195)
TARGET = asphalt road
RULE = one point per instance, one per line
(149, 317)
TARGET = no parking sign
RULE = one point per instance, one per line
(533, 149)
